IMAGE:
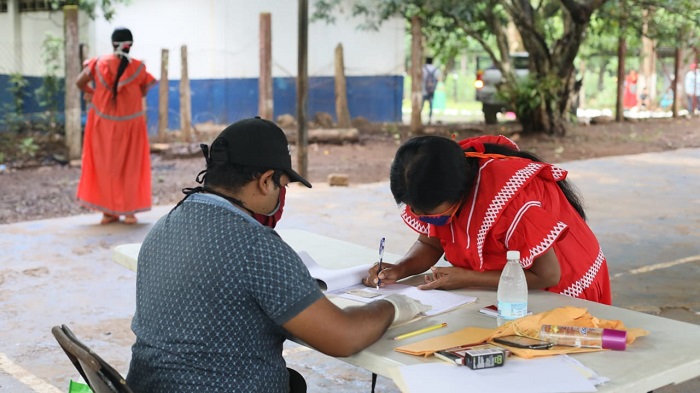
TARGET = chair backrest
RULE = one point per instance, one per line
(99, 375)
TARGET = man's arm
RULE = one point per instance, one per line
(341, 332)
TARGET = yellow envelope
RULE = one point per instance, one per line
(467, 336)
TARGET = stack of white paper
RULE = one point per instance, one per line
(555, 374)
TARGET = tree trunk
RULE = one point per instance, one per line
(648, 80)
(74, 133)
(601, 74)
(676, 79)
(341, 94)
(621, 53)
(580, 96)
(551, 68)
(416, 75)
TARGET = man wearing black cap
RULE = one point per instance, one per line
(218, 293)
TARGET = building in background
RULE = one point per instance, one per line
(223, 53)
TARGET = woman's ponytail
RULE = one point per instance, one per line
(123, 63)
(121, 41)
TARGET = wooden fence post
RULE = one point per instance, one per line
(341, 94)
(302, 87)
(416, 75)
(163, 99)
(73, 67)
(185, 100)
(265, 103)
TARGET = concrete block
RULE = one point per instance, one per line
(338, 179)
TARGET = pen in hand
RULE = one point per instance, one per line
(381, 256)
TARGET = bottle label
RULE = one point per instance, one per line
(512, 310)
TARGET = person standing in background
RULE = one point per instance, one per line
(431, 75)
(691, 84)
(629, 99)
(116, 165)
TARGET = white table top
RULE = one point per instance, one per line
(669, 354)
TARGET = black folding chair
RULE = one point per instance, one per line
(99, 375)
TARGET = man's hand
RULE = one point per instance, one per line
(446, 278)
(405, 308)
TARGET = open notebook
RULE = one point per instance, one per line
(347, 283)
(334, 279)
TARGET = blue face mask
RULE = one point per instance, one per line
(440, 219)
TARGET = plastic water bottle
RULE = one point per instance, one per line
(512, 290)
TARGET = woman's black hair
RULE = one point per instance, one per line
(430, 170)
(120, 34)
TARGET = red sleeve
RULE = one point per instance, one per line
(530, 223)
(90, 65)
(147, 80)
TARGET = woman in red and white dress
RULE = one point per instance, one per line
(474, 200)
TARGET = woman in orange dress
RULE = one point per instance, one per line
(116, 165)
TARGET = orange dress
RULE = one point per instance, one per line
(629, 98)
(116, 164)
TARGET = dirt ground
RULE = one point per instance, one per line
(44, 188)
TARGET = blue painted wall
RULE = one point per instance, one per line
(223, 101)
(31, 106)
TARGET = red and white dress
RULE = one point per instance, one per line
(515, 204)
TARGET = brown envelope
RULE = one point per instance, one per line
(467, 336)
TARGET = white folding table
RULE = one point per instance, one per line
(670, 354)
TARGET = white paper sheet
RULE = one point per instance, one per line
(333, 279)
(440, 301)
(541, 375)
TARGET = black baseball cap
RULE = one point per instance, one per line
(255, 142)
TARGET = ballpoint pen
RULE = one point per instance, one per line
(381, 256)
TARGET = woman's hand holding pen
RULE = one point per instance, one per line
(388, 275)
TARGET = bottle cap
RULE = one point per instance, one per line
(614, 339)
(513, 255)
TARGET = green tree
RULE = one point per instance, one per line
(14, 112)
(49, 92)
(90, 7)
(552, 32)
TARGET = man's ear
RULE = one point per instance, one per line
(265, 180)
